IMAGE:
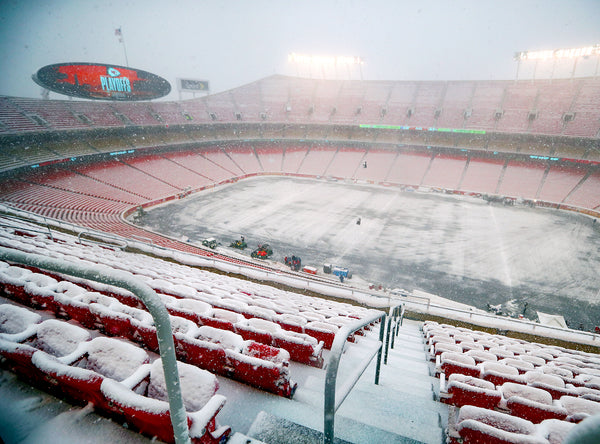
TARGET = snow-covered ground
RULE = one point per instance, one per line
(457, 247)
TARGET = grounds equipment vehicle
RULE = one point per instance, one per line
(263, 251)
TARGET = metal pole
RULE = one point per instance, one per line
(387, 339)
(151, 301)
(378, 366)
(122, 40)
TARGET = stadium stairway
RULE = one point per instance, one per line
(401, 409)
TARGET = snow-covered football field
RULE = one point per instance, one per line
(461, 248)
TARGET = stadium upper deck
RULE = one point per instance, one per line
(559, 107)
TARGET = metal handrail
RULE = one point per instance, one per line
(151, 301)
(395, 317)
(23, 219)
(120, 245)
(330, 403)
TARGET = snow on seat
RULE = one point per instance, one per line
(530, 403)
(554, 430)
(553, 384)
(579, 408)
(145, 406)
(441, 347)
(590, 371)
(41, 290)
(436, 338)
(542, 354)
(520, 365)
(291, 322)
(111, 322)
(256, 329)
(113, 358)
(228, 354)
(195, 306)
(12, 283)
(322, 331)
(462, 336)
(470, 345)
(478, 425)
(17, 323)
(263, 366)
(481, 356)
(221, 318)
(458, 363)
(501, 352)
(197, 386)
(312, 315)
(587, 393)
(575, 369)
(535, 360)
(260, 312)
(564, 373)
(228, 339)
(76, 308)
(59, 338)
(499, 374)
(233, 305)
(468, 390)
(301, 347)
(568, 358)
(79, 374)
(69, 289)
(202, 353)
(517, 350)
(487, 344)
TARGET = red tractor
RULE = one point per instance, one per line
(263, 251)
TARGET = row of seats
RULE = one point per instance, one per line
(152, 177)
(479, 425)
(302, 347)
(117, 377)
(293, 312)
(223, 352)
(511, 390)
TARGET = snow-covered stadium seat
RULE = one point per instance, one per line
(142, 401)
(531, 403)
(553, 384)
(17, 323)
(468, 390)
(478, 425)
(80, 374)
(59, 338)
(499, 374)
(579, 408)
(458, 363)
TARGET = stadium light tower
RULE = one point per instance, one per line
(555, 55)
(324, 63)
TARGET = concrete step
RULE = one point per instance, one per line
(274, 429)
(399, 413)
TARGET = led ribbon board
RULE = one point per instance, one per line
(422, 128)
(99, 81)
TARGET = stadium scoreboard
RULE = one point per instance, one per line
(101, 81)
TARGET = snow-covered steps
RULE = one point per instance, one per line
(375, 407)
(273, 429)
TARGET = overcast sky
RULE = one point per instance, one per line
(234, 42)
